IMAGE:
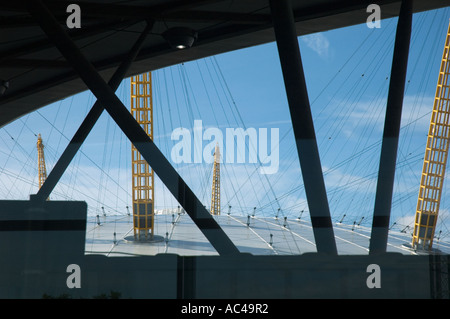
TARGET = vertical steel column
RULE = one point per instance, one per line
(143, 178)
(435, 159)
(123, 118)
(89, 122)
(215, 192)
(302, 123)
(386, 173)
(41, 161)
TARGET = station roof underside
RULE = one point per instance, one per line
(38, 74)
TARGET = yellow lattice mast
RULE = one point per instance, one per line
(41, 161)
(215, 196)
(435, 160)
(142, 174)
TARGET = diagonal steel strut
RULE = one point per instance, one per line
(179, 189)
(89, 121)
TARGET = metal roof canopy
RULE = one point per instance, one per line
(38, 74)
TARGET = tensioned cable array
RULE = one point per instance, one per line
(348, 109)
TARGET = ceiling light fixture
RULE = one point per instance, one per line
(4, 85)
(180, 37)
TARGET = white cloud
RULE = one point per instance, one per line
(371, 113)
(318, 43)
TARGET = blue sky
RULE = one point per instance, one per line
(347, 72)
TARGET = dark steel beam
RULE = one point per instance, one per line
(302, 123)
(75, 34)
(89, 122)
(107, 10)
(168, 175)
(386, 172)
(33, 63)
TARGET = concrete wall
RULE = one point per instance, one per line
(35, 255)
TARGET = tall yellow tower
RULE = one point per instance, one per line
(41, 161)
(142, 174)
(435, 160)
(215, 196)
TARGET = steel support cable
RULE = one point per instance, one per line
(110, 164)
(225, 113)
(82, 152)
(187, 103)
(163, 130)
(26, 155)
(105, 145)
(317, 96)
(190, 110)
(398, 199)
(157, 107)
(229, 96)
(227, 93)
(17, 160)
(258, 235)
(211, 104)
(414, 37)
(176, 98)
(209, 167)
(204, 168)
(187, 97)
(226, 89)
(349, 172)
(290, 192)
(350, 184)
(352, 157)
(229, 124)
(119, 169)
(205, 181)
(373, 64)
(423, 80)
(158, 102)
(121, 92)
(186, 84)
(206, 90)
(293, 234)
(168, 99)
(222, 81)
(31, 183)
(216, 121)
(24, 180)
(362, 89)
(322, 89)
(47, 146)
(65, 121)
(331, 169)
(339, 71)
(357, 93)
(292, 160)
(355, 66)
